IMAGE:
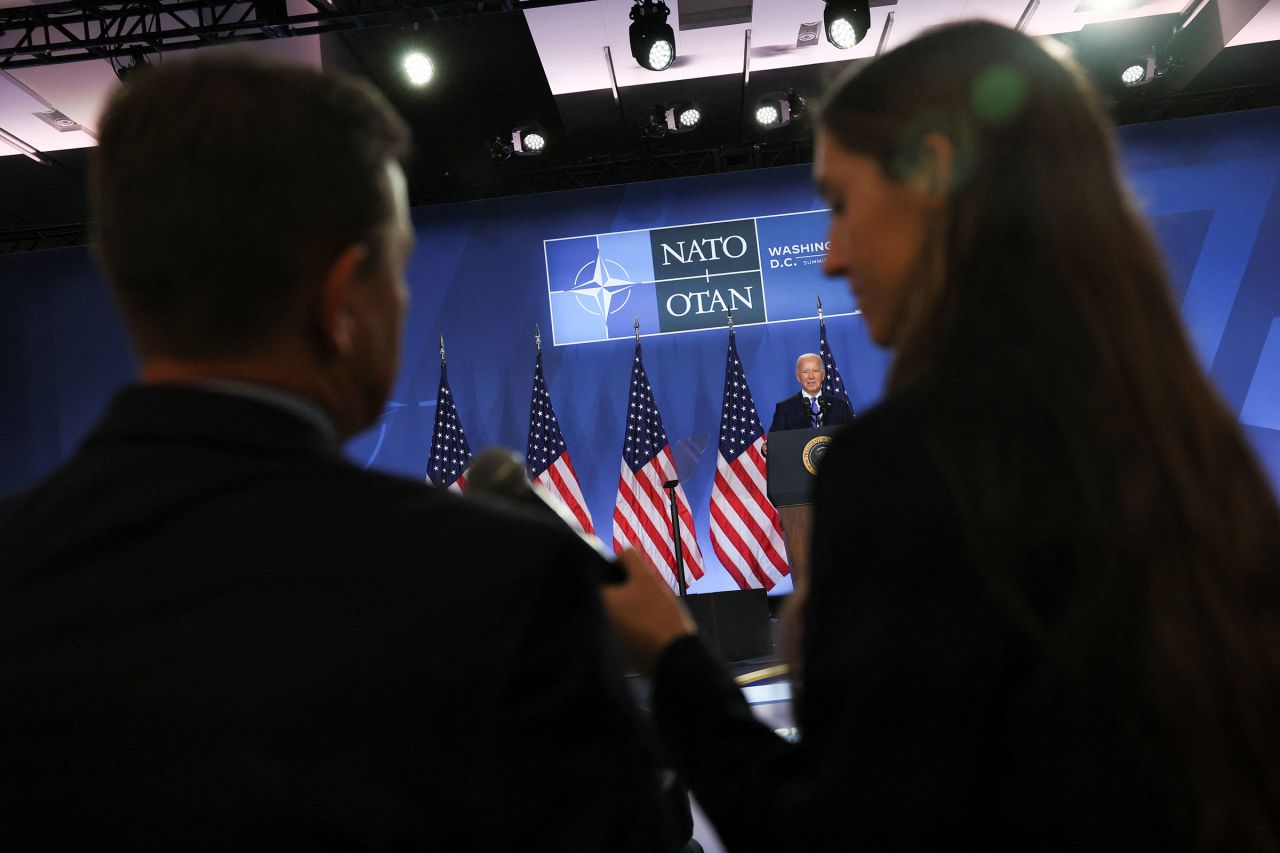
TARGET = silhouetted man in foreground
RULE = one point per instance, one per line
(215, 632)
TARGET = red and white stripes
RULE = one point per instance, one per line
(642, 519)
(744, 525)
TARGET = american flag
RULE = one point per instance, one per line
(450, 453)
(547, 457)
(642, 514)
(832, 386)
(744, 525)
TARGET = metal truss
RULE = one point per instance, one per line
(1197, 103)
(516, 178)
(621, 169)
(38, 238)
(54, 33)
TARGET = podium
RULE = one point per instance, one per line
(734, 624)
(794, 458)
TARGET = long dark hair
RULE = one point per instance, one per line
(1063, 402)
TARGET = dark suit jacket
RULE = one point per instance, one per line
(215, 632)
(793, 413)
(928, 720)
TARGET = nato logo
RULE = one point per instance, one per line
(602, 288)
(598, 285)
(686, 278)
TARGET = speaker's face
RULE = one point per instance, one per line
(810, 374)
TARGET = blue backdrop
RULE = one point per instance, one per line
(479, 276)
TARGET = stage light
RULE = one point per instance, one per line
(841, 34)
(846, 22)
(418, 68)
(533, 142)
(779, 109)
(134, 63)
(673, 118)
(527, 140)
(653, 42)
(1130, 54)
(661, 54)
(1139, 72)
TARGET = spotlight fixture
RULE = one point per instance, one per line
(1131, 54)
(653, 42)
(779, 109)
(673, 118)
(846, 22)
(133, 63)
(1138, 72)
(418, 68)
(527, 140)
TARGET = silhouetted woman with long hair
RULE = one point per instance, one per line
(1045, 600)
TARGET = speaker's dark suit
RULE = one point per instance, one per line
(216, 632)
(793, 413)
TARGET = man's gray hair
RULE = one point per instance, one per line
(811, 355)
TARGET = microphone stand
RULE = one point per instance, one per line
(670, 486)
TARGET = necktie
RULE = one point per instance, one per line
(815, 414)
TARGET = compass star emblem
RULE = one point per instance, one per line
(602, 287)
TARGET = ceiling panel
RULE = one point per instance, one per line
(18, 109)
(1264, 26)
(548, 65)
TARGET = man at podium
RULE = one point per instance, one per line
(810, 407)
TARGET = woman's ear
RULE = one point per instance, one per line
(934, 172)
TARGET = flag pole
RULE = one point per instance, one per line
(537, 338)
(670, 486)
(442, 349)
